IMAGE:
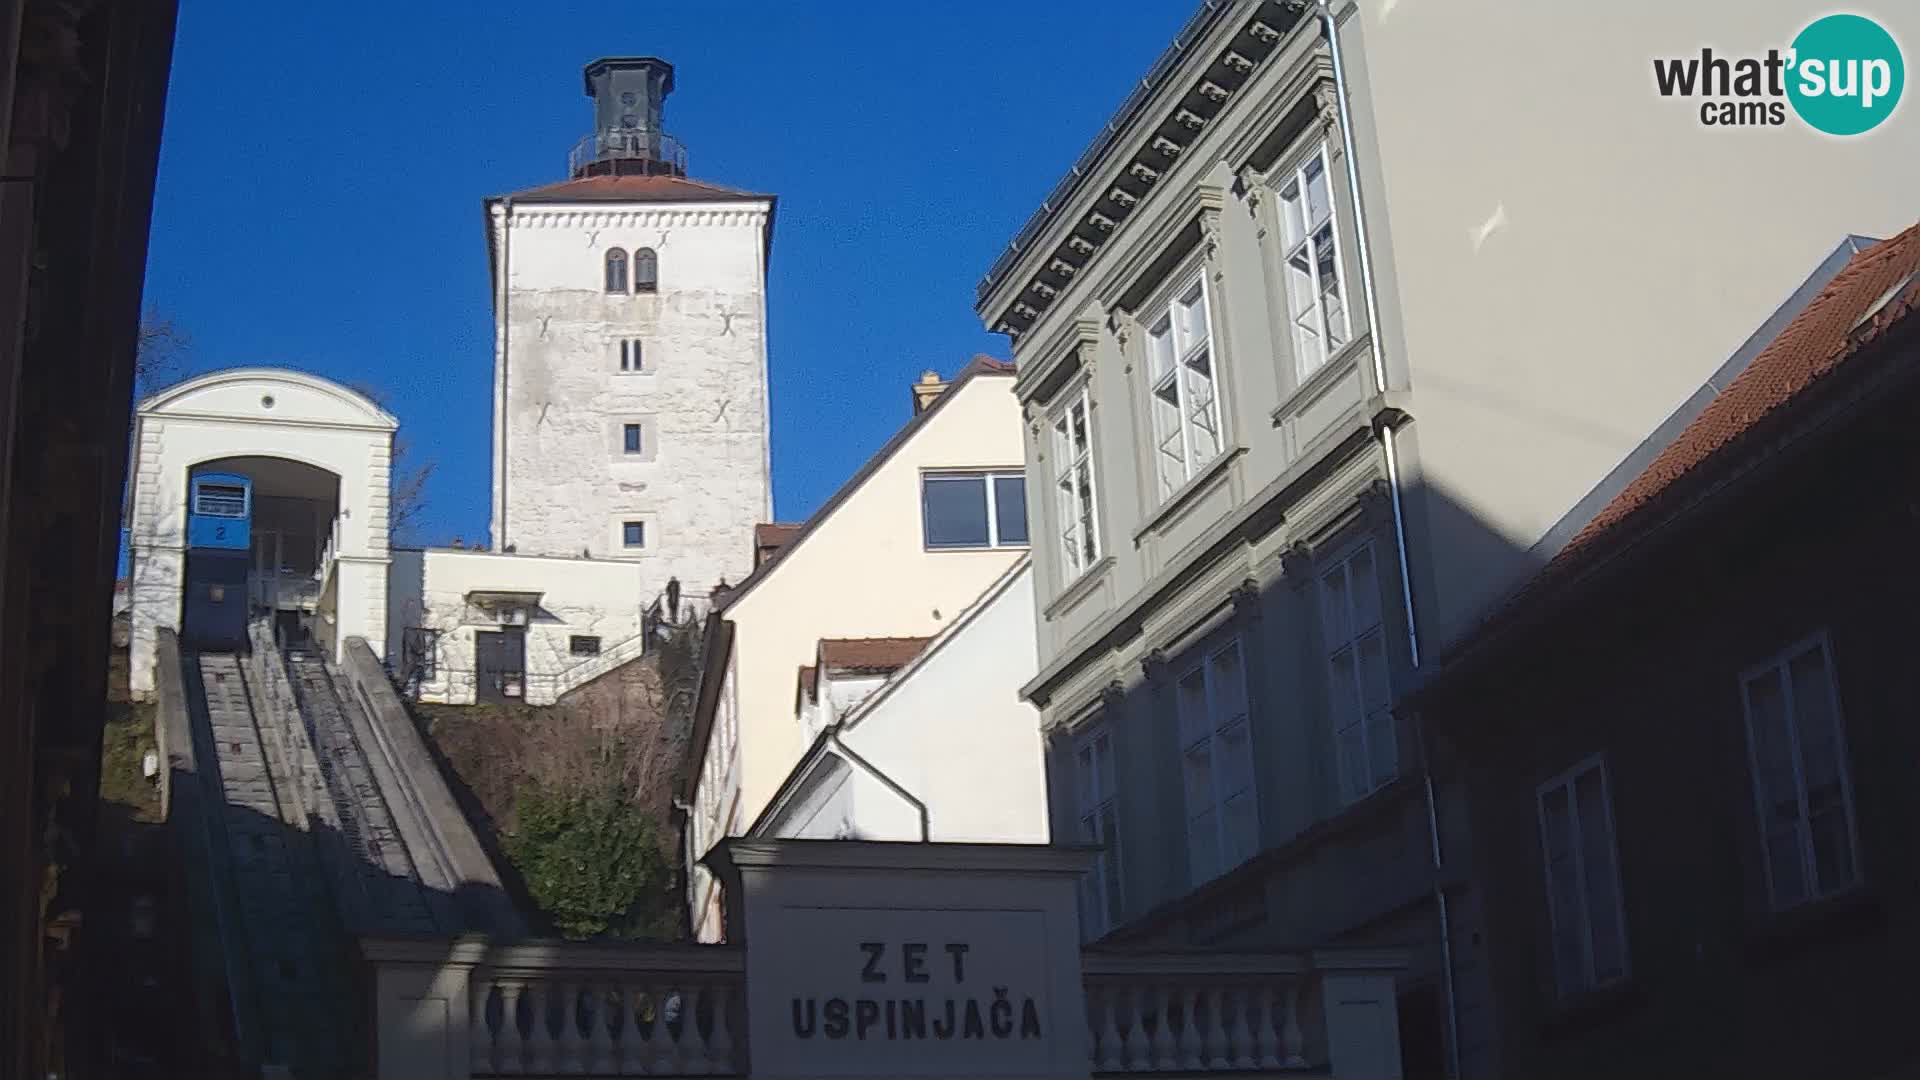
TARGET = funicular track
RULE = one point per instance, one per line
(275, 912)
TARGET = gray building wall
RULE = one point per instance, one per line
(1562, 257)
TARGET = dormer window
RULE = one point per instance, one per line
(616, 271)
(646, 270)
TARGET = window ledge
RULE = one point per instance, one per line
(1581, 1012)
(1337, 367)
(1185, 493)
(1850, 913)
(948, 549)
(1082, 585)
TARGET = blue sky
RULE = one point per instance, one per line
(323, 167)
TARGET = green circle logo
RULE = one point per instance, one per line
(1846, 74)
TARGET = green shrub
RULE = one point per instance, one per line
(592, 861)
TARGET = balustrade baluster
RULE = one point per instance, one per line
(1217, 1050)
(1136, 1047)
(1163, 1044)
(693, 1049)
(479, 1034)
(721, 1042)
(1106, 1036)
(665, 1055)
(568, 1041)
(1295, 1052)
(1189, 1028)
(540, 1034)
(1241, 1033)
(600, 1045)
(509, 1048)
(1269, 1040)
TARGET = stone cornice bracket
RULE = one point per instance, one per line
(1063, 268)
(1080, 245)
(1189, 119)
(1120, 325)
(1236, 63)
(1026, 311)
(1123, 198)
(1262, 33)
(1246, 601)
(1141, 172)
(1154, 666)
(1248, 181)
(1167, 147)
(1112, 696)
(1375, 501)
(1045, 290)
(1101, 221)
(1214, 92)
(1297, 561)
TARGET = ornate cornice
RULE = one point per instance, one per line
(526, 217)
(1184, 118)
(1246, 601)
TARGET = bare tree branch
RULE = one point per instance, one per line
(407, 478)
(159, 353)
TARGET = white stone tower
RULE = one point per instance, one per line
(630, 351)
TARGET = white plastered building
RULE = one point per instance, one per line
(630, 421)
(319, 457)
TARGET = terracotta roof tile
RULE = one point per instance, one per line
(770, 537)
(1818, 340)
(869, 654)
(807, 689)
(633, 189)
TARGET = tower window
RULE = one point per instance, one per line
(616, 271)
(633, 534)
(631, 355)
(646, 270)
(630, 438)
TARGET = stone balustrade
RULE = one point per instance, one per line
(467, 1008)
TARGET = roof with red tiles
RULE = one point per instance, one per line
(869, 654)
(633, 189)
(1879, 282)
(770, 537)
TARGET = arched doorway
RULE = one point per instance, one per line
(293, 534)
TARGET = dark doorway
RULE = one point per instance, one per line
(1423, 1035)
(500, 657)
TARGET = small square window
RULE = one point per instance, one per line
(630, 438)
(584, 645)
(633, 534)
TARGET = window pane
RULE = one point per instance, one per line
(1191, 701)
(1365, 584)
(1563, 889)
(956, 511)
(1089, 536)
(1375, 687)
(1103, 772)
(1191, 312)
(1170, 445)
(1203, 415)
(1331, 298)
(1383, 748)
(1292, 227)
(1160, 350)
(1010, 508)
(1234, 769)
(1778, 795)
(631, 437)
(1199, 762)
(1203, 848)
(1242, 830)
(1821, 752)
(1334, 610)
(1352, 762)
(1083, 776)
(1078, 418)
(1319, 206)
(1110, 860)
(1596, 852)
(1229, 686)
(633, 534)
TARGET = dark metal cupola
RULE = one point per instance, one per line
(628, 94)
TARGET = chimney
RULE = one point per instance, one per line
(924, 391)
(629, 94)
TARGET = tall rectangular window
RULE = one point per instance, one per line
(1073, 484)
(1186, 404)
(630, 438)
(1802, 792)
(1316, 296)
(1583, 878)
(1217, 762)
(1359, 691)
(631, 355)
(1096, 794)
(974, 509)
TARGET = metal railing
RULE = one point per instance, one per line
(629, 144)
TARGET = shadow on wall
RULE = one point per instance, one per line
(1250, 734)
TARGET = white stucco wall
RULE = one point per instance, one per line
(598, 597)
(255, 412)
(562, 482)
(950, 729)
(865, 571)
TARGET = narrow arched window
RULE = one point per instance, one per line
(616, 271)
(646, 270)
